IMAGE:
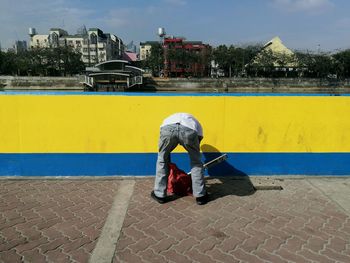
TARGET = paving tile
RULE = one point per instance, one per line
(61, 220)
(9, 256)
(298, 224)
(52, 220)
(33, 256)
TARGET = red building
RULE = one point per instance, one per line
(185, 58)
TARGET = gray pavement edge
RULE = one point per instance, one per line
(335, 189)
(106, 244)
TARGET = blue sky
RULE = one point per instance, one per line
(301, 24)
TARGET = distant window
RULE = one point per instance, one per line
(93, 39)
(54, 39)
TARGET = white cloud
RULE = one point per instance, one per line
(17, 17)
(313, 6)
(119, 18)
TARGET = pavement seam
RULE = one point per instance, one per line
(106, 244)
(329, 197)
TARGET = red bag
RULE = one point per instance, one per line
(179, 182)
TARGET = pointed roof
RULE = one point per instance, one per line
(276, 46)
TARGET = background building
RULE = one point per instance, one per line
(275, 56)
(20, 46)
(145, 49)
(176, 57)
(94, 45)
(185, 58)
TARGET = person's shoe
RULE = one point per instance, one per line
(160, 200)
(202, 200)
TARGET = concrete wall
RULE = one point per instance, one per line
(41, 83)
(189, 85)
(117, 134)
(282, 85)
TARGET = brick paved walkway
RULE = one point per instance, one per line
(52, 221)
(297, 224)
(61, 221)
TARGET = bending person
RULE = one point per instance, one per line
(183, 129)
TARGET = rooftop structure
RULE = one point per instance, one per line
(113, 75)
(281, 55)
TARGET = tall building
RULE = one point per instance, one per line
(181, 58)
(94, 45)
(20, 46)
(185, 58)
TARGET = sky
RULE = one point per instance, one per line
(315, 25)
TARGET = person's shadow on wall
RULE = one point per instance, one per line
(224, 179)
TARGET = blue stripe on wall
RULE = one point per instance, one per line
(138, 164)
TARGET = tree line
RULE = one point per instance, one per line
(58, 61)
(254, 61)
(234, 61)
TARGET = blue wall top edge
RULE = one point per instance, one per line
(161, 94)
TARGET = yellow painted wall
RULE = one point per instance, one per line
(127, 124)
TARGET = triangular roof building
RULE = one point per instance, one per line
(278, 50)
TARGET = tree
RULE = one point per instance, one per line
(42, 61)
(73, 62)
(263, 63)
(39, 63)
(22, 63)
(154, 61)
(234, 60)
(8, 66)
(220, 56)
(1, 59)
(342, 63)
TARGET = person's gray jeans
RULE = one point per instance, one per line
(170, 137)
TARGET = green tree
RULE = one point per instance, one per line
(73, 63)
(322, 65)
(1, 60)
(234, 60)
(154, 61)
(221, 57)
(342, 63)
(8, 66)
(42, 61)
(263, 64)
(316, 65)
(22, 63)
